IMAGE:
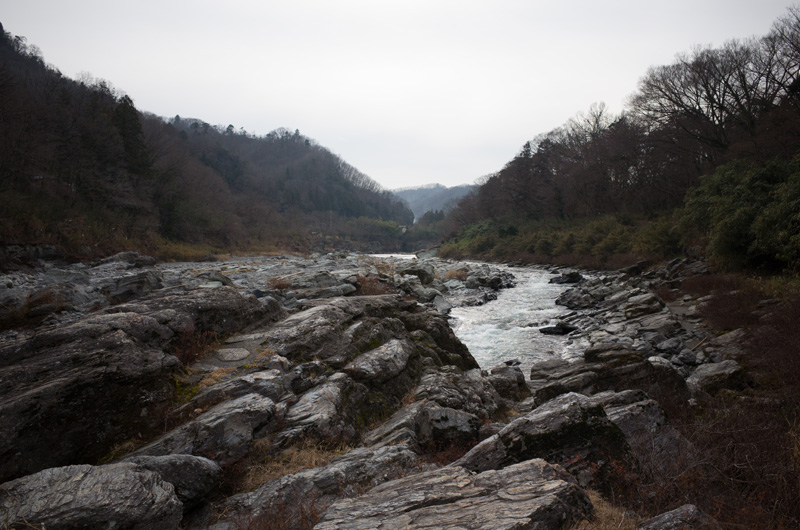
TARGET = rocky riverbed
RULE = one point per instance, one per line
(143, 395)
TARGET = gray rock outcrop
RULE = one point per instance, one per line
(713, 377)
(223, 434)
(292, 497)
(193, 477)
(120, 495)
(69, 393)
(531, 494)
(686, 517)
(570, 430)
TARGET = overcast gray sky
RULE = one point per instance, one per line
(408, 91)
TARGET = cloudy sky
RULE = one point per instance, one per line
(409, 91)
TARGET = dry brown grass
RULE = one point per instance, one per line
(372, 285)
(280, 283)
(214, 377)
(607, 516)
(383, 267)
(307, 455)
(457, 274)
(409, 398)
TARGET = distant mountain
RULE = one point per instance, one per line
(432, 197)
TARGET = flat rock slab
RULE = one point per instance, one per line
(232, 354)
(532, 494)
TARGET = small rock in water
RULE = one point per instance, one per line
(561, 328)
(567, 277)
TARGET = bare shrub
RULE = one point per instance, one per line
(444, 452)
(190, 345)
(667, 294)
(372, 285)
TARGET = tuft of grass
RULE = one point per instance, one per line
(214, 377)
(307, 455)
(607, 516)
(457, 274)
(409, 398)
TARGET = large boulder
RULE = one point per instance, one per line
(605, 366)
(330, 411)
(193, 477)
(426, 424)
(122, 495)
(71, 392)
(422, 270)
(338, 330)
(220, 311)
(569, 430)
(712, 377)
(307, 493)
(223, 433)
(531, 494)
(509, 381)
(271, 383)
(131, 286)
(382, 363)
(468, 391)
(567, 277)
(642, 304)
(660, 450)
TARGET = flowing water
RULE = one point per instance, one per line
(508, 328)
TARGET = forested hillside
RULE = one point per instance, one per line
(83, 168)
(603, 186)
(432, 198)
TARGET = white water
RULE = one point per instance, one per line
(508, 328)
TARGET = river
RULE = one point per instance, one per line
(508, 328)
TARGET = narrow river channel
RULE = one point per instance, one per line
(508, 328)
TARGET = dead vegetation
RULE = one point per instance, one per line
(745, 467)
(608, 516)
(268, 464)
(190, 345)
(371, 285)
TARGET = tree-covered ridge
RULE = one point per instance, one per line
(81, 167)
(710, 107)
(432, 198)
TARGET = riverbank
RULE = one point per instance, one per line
(289, 392)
